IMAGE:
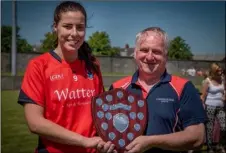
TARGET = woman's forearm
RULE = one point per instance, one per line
(56, 133)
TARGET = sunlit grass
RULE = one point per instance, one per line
(15, 134)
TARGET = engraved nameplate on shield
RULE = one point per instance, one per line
(119, 116)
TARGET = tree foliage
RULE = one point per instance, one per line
(6, 41)
(49, 42)
(98, 41)
(178, 49)
(101, 45)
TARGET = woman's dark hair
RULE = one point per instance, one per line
(84, 51)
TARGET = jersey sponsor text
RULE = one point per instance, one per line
(66, 94)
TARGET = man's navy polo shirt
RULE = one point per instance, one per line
(173, 104)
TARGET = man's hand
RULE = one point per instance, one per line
(91, 142)
(139, 145)
(104, 147)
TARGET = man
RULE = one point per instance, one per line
(175, 113)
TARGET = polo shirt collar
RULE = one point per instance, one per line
(166, 77)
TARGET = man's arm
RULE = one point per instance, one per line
(204, 90)
(191, 138)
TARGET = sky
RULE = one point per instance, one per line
(201, 24)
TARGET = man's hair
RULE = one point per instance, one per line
(158, 30)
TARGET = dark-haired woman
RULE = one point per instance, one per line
(58, 86)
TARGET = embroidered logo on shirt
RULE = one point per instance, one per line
(90, 75)
(165, 100)
(56, 77)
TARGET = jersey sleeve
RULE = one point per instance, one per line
(191, 108)
(32, 88)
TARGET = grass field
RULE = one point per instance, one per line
(16, 137)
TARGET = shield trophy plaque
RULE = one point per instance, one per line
(119, 116)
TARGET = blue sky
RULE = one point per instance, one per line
(201, 24)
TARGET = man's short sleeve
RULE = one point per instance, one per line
(32, 88)
(191, 108)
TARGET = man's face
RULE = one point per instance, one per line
(150, 54)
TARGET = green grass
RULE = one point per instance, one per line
(15, 134)
(198, 87)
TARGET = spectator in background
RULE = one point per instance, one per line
(223, 76)
(191, 71)
(183, 71)
(205, 75)
(199, 73)
(212, 93)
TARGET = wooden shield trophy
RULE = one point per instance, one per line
(119, 116)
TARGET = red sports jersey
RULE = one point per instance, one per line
(65, 91)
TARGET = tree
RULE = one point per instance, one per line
(101, 45)
(49, 42)
(178, 49)
(22, 45)
(114, 51)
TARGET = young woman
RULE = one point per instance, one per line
(212, 93)
(58, 86)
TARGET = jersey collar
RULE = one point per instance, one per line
(54, 55)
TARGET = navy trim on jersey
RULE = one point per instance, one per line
(41, 147)
(58, 57)
(23, 98)
(55, 56)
